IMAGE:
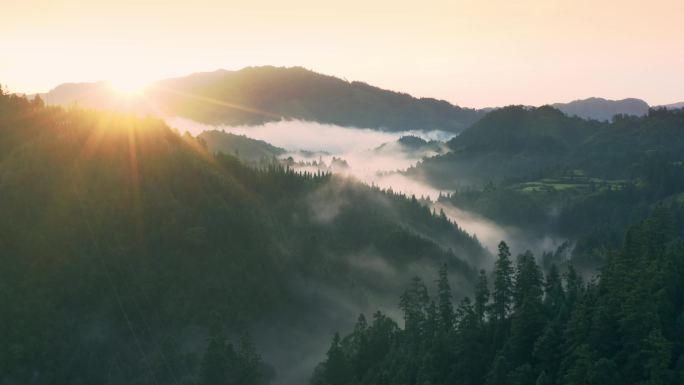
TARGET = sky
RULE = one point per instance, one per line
(473, 53)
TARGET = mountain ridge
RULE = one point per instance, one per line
(256, 95)
(597, 108)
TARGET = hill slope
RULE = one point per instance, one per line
(250, 151)
(517, 143)
(255, 95)
(124, 242)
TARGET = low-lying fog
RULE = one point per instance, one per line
(310, 141)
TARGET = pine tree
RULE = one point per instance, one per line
(543, 379)
(503, 284)
(446, 309)
(554, 295)
(248, 365)
(656, 358)
(337, 368)
(216, 360)
(413, 303)
(528, 280)
(481, 296)
(498, 374)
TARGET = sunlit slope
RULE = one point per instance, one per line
(256, 95)
(122, 240)
(248, 150)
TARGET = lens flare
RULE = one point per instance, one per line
(128, 87)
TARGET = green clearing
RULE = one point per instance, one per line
(575, 180)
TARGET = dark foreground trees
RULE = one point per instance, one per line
(624, 327)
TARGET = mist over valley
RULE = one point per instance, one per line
(361, 225)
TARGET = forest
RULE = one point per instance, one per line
(130, 252)
(133, 253)
(344, 192)
(523, 325)
(543, 172)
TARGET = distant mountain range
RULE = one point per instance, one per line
(603, 109)
(256, 95)
(673, 106)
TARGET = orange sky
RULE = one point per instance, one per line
(471, 52)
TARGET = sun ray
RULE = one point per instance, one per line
(224, 103)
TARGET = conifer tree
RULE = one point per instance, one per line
(503, 284)
(481, 296)
(446, 309)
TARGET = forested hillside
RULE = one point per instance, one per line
(250, 151)
(131, 254)
(523, 326)
(256, 95)
(547, 174)
(519, 144)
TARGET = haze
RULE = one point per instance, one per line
(467, 52)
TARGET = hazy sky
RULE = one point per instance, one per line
(470, 52)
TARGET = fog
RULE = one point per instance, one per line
(363, 283)
(490, 233)
(293, 349)
(311, 143)
(324, 142)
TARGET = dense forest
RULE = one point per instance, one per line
(543, 172)
(255, 153)
(132, 254)
(523, 326)
(516, 143)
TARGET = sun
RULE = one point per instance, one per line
(128, 87)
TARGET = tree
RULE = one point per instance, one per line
(37, 102)
(216, 360)
(446, 309)
(554, 295)
(528, 280)
(573, 285)
(522, 375)
(337, 368)
(656, 358)
(503, 284)
(498, 374)
(543, 379)
(679, 370)
(413, 303)
(481, 296)
(247, 368)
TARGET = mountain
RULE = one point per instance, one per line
(559, 177)
(256, 95)
(603, 109)
(248, 150)
(412, 147)
(507, 143)
(673, 106)
(129, 252)
(519, 142)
